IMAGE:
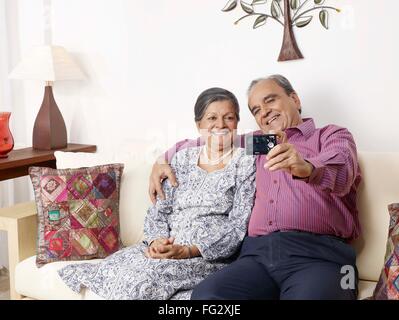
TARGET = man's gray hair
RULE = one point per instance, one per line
(277, 78)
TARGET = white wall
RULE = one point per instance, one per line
(147, 61)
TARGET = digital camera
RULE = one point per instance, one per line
(260, 144)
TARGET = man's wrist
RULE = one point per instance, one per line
(311, 168)
(310, 171)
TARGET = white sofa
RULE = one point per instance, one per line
(379, 188)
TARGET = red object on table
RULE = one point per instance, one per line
(6, 138)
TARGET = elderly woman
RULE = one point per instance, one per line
(199, 226)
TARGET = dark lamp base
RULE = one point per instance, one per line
(49, 131)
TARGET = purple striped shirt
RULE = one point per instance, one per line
(325, 203)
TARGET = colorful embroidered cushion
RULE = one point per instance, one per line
(78, 212)
(388, 284)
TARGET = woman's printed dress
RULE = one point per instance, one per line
(208, 210)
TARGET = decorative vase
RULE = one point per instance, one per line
(6, 139)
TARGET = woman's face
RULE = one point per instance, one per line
(218, 125)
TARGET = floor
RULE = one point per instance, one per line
(4, 284)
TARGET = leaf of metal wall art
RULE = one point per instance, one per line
(255, 2)
(230, 5)
(303, 21)
(323, 16)
(260, 21)
(294, 4)
(274, 9)
(247, 7)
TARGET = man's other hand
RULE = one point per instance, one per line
(160, 171)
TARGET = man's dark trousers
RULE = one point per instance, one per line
(286, 265)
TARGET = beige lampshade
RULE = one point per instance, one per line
(47, 63)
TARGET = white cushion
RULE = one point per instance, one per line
(378, 189)
(134, 200)
(44, 283)
(366, 289)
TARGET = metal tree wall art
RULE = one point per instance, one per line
(288, 13)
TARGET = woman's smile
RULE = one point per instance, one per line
(219, 133)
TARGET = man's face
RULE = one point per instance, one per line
(272, 108)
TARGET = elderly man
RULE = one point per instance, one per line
(304, 215)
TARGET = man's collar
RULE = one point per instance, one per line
(307, 127)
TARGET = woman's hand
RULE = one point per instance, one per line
(160, 248)
(165, 249)
(171, 251)
(158, 244)
(160, 171)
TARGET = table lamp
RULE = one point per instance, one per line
(49, 64)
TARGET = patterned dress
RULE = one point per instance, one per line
(208, 210)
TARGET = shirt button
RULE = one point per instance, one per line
(270, 223)
(274, 181)
(271, 201)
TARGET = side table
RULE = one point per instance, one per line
(18, 220)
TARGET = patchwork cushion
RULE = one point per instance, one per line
(134, 199)
(78, 212)
(388, 284)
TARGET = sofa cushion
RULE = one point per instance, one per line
(388, 284)
(134, 200)
(379, 187)
(44, 283)
(78, 212)
(366, 289)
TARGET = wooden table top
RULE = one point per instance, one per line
(19, 160)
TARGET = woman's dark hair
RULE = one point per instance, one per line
(211, 95)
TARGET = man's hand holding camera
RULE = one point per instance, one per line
(285, 157)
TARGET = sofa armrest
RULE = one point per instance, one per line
(20, 223)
